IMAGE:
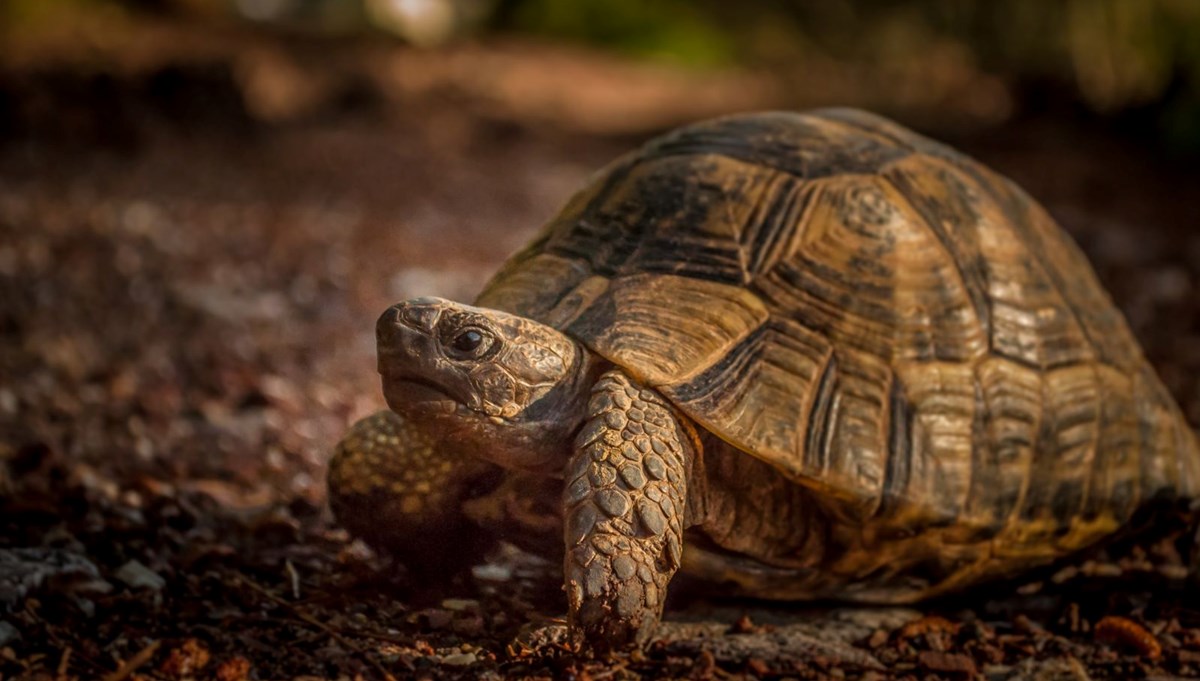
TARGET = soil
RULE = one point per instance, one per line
(190, 270)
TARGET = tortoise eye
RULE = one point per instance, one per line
(471, 342)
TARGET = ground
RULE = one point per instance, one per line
(191, 263)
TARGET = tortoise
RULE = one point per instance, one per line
(835, 358)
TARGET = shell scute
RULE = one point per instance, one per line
(874, 314)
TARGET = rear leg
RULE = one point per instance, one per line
(390, 486)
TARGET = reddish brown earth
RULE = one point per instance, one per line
(188, 286)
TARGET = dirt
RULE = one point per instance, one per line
(188, 287)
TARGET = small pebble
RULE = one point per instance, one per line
(137, 576)
(492, 573)
(460, 604)
(8, 633)
(460, 659)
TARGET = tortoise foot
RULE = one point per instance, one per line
(389, 485)
(624, 501)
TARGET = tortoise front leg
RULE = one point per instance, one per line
(390, 485)
(624, 508)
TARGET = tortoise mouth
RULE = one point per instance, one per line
(415, 392)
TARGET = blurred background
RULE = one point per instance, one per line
(204, 205)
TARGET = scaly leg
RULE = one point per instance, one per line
(392, 487)
(624, 500)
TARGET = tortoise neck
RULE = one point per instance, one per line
(566, 402)
(539, 439)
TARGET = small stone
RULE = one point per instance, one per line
(436, 618)
(137, 576)
(25, 570)
(954, 663)
(8, 633)
(185, 660)
(492, 572)
(470, 625)
(1065, 575)
(1176, 572)
(234, 669)
(1188, 656)
(743, 625)
(460, 604)
(460, 659)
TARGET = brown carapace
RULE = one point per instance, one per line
(822, 357)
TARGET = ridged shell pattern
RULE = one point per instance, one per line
(880, 318)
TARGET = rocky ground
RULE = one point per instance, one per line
(189, 277)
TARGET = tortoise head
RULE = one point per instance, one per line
(505, 386)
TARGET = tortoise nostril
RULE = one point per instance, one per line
(413, 315)
(421, 317)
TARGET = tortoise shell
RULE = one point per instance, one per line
(874, 314)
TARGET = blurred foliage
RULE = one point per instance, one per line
(681, 31)
(1131, 58)
(1114, 56)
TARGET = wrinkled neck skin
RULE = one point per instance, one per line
(537, 440)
